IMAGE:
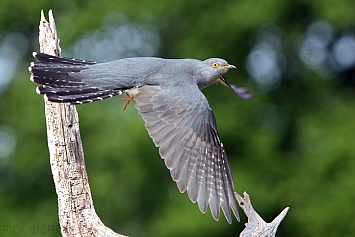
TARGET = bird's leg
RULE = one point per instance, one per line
(128, 100)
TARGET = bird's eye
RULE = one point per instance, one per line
(215, 65)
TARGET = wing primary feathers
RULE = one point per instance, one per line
(181, 171)
(214, 200)
(203, 174)
(194, 168)
(208, 168)
(180, 140)
(214, 185)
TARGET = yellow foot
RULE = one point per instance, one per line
(128, 100)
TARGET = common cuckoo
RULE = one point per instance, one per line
(176, 113)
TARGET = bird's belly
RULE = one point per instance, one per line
(133, 92)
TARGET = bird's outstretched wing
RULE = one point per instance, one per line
(181, 123)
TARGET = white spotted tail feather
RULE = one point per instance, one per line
(60, 81)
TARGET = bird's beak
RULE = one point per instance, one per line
(229, 66)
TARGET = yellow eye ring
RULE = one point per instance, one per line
(215, 65)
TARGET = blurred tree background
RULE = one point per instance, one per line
(292, 145)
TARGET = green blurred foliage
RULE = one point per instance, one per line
(291, 146)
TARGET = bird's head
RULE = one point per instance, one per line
(213, 71)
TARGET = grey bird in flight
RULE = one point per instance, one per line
(176, 113)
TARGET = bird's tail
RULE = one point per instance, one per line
(58, 82)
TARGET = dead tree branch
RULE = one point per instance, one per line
(256, 226)
(77, 215)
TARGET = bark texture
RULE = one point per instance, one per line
(256, 226)
(76, 211)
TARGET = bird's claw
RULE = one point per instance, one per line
(128, 100)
